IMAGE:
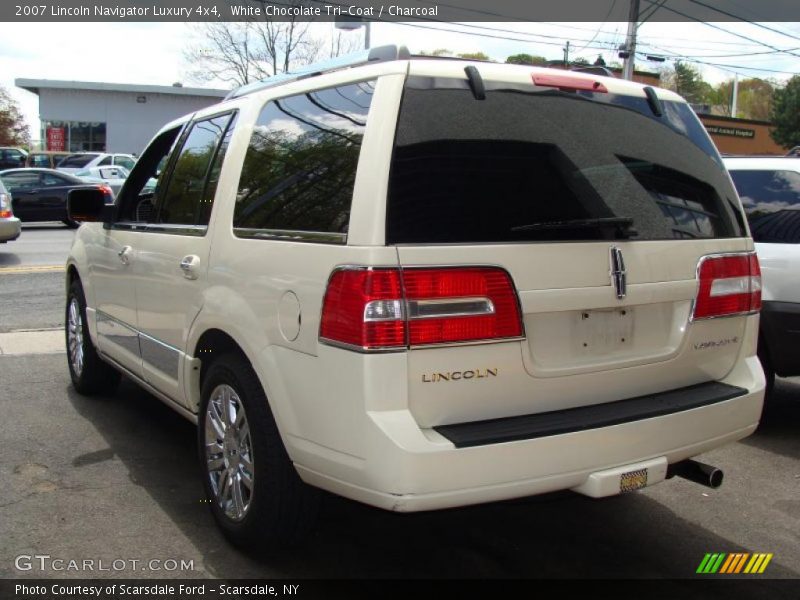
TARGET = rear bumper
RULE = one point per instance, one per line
(780, 328)
(9, 229)
(409, 469)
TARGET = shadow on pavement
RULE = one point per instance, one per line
(555, 536)
(779, 431)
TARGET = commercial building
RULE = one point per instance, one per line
(110, 117)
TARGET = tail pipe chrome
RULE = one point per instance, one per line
(696, 471)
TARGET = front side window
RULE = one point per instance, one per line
(51, 180)
(300, 167)
(188, 198)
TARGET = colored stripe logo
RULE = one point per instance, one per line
(735, 563)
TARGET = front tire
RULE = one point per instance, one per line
(90, 375)
(256, 496)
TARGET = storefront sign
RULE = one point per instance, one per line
(56, 140)
(731, 131)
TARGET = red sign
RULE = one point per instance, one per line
(55, 138)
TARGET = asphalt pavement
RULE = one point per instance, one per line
(117, 479)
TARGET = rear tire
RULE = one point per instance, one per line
(71, 224)
(254, 491)
(90, 375)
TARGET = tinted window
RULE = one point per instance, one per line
(300, 167)
(21, 181)
(537, 164)
(767, 191)
(77, 161)
(124, 161)
(188, 199)
(40, 160)
(53, 180)
(104, 162)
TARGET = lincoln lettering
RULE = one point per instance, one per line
(458, 375)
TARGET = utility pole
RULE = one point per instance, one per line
(630, 42)
(734, 100)
(566, 55)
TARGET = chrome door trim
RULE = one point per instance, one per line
(160, 356)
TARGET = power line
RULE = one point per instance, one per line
(738, 18)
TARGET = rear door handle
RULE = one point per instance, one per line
(189, 265)
(125, 255)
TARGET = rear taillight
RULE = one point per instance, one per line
(385, 309)
(729, 284)
(5, 207)
(106, 189)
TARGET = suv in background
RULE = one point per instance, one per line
(770, 192)
(45, 159)
(12, 158)
(426, 283)
(86, 160)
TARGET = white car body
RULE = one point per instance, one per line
(379, 427)
(770, 191)
(114, 177)
(98, 159)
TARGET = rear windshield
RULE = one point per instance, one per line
(539, 164)
(771, 199)
(77, 160)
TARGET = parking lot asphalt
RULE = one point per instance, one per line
(118, 479)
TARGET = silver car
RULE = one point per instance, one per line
(113, 176)
(9, 225)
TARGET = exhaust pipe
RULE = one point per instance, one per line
(696, 471)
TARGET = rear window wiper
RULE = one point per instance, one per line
(622, 225)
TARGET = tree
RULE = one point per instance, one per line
(754, 99)
(580, 61)
(785, 114)
(687, 81)
(241, 53)
(526, 59)
(13, 129)
(474, 56)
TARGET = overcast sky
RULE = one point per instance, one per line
(152, 53)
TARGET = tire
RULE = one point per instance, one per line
(276, 509)
(90, 375)
(71, 224)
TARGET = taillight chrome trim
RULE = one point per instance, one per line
(395, 349)
(745, 254)
(447, 308)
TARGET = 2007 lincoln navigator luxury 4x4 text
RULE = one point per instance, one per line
(425, 283)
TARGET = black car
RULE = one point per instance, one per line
(41, 194)
(12, 157)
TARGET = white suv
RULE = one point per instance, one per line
(426, 283)
(770, 191)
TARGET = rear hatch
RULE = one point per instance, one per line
(598, 201)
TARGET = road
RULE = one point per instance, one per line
(118, 478)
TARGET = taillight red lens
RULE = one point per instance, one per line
(460, 305)
(364, 308)
(729, 285)
(389, 308)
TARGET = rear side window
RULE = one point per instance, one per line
(40, 160)
(77, 161)
(538, 164)
(299, 172)
(771, 199)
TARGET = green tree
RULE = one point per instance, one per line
(785, 114)
(526, 59)
(754, 101)
(685, 79)
(13, 129)
(474, 56)
(580, 61)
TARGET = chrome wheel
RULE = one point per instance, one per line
(229, 452)
(75, 336)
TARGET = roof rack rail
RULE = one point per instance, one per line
(377, 54)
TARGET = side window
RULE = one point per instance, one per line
(50, 180)
(124, 161)
(188, 199)
(300, 166)
(20, 182)
(104, 162)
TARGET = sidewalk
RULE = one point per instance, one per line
(32, 341)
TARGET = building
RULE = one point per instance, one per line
(110, 117)
(741, 136)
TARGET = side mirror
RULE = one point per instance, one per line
(89, 206)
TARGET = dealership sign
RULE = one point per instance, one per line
(55, 138)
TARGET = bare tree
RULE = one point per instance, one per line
(240, 53)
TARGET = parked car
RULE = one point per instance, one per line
(41, 194)
(420, 284)
(114, 177)
(770, 192)
(12, 157)
(45, 159)
(9, 224)
(85, 160)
